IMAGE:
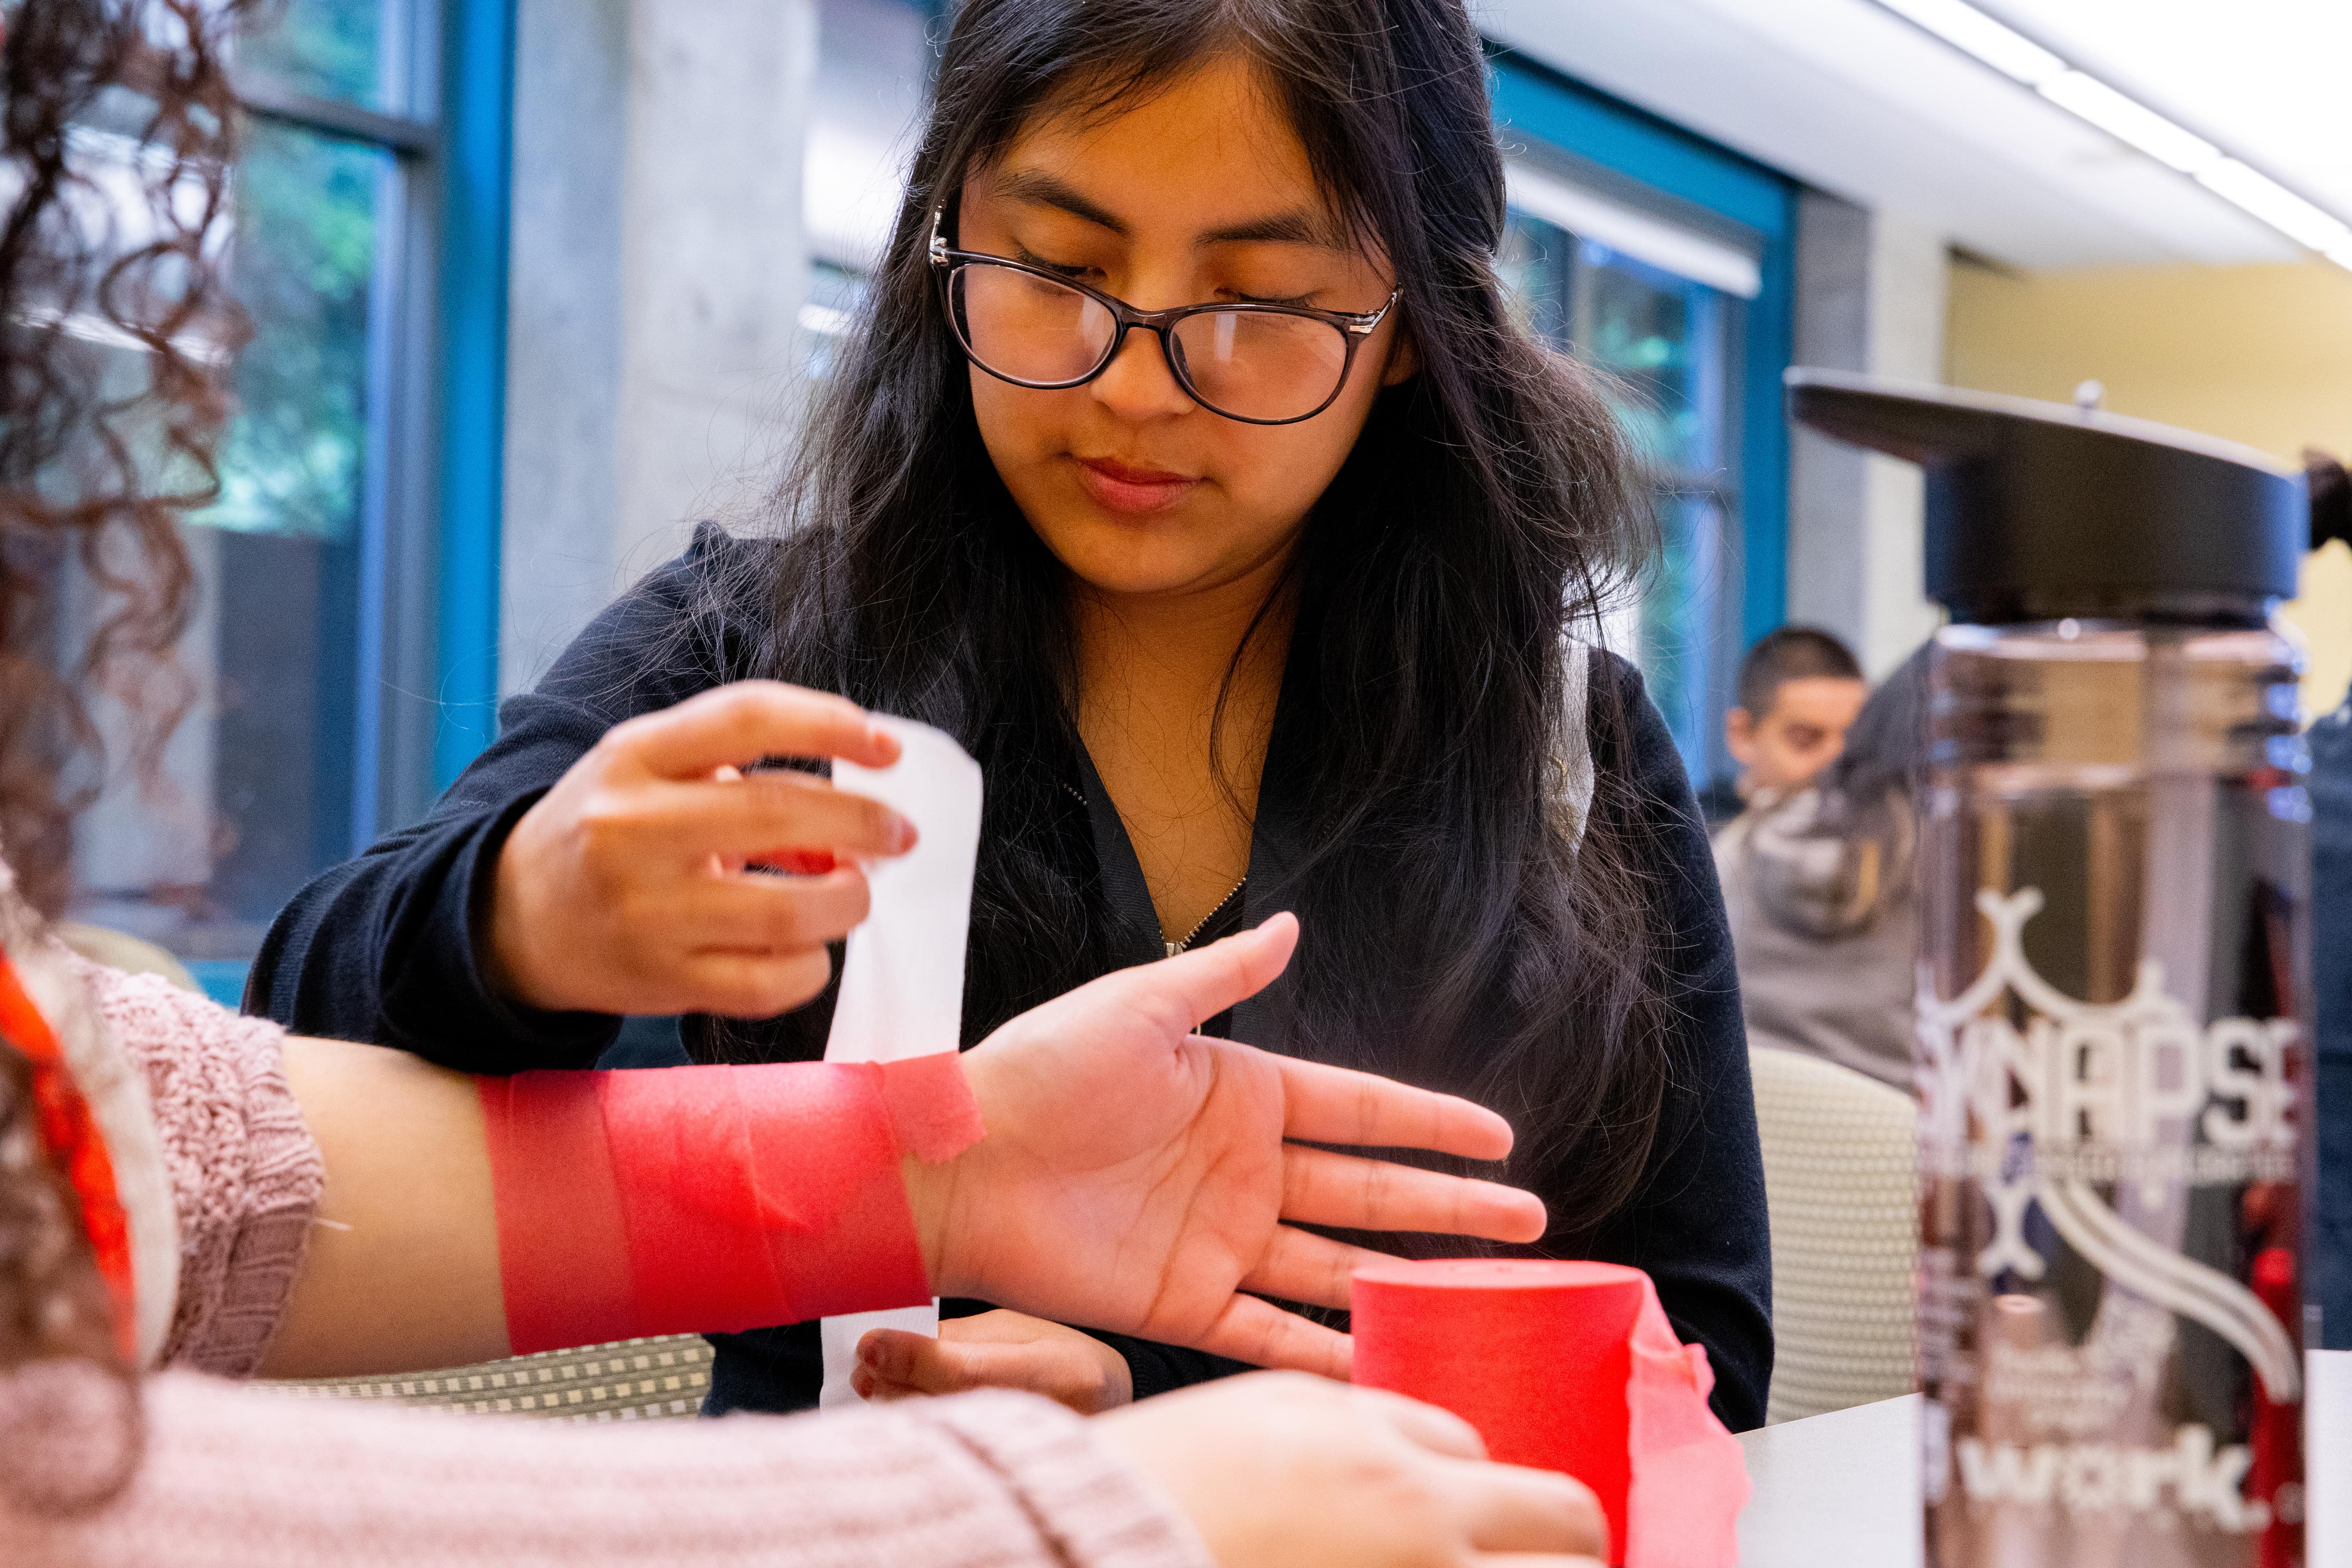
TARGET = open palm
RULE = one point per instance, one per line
(1135, 1176)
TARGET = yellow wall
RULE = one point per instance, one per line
(2257, 355)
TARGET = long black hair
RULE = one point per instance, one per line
(1461, 930)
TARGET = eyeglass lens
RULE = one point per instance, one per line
(1254, 364)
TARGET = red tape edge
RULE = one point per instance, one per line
(563, 1251)
(932, 1110)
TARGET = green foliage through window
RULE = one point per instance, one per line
(329, 48)
(302, 263)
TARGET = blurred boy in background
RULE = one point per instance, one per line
(1799, 691)
(1817, 871)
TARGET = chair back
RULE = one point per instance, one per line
(1841, 1158)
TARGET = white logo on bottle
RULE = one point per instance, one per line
(2084, 1093)
(2204, 1481)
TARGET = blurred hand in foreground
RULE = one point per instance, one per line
(995, 1350)
(1279, 1471)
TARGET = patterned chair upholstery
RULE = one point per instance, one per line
(632, 1379)
(1840, 1182)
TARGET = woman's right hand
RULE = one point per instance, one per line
(1283, 1470)
(625, 888)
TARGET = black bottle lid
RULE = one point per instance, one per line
(2042, 510)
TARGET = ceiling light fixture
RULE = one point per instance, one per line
(2130, 121)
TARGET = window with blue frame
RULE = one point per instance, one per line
(314, 657)
(1663, 261)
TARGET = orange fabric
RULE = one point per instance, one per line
(71, 1137)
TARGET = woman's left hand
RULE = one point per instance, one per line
(1139, 1178)
(995, 1350)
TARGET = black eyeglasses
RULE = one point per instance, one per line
(1261, 364)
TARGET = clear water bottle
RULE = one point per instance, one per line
(2112, 1019)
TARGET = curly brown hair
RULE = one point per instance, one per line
(118, 127)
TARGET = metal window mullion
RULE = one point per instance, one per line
(393, 712)
(385, 292)
(273, 101)
(406, 547)
(388, 502)
(404, 583)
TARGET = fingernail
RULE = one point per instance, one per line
(903, 835)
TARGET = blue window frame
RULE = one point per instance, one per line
(343, 654)
(1700, 363)
(478, 118)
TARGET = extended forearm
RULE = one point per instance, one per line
(467, 1218)
(401, 1271)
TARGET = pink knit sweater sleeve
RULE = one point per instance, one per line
(269, 1481)
(263, 1481)
(245, 1173)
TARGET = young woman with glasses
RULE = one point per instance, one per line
(1187, 467)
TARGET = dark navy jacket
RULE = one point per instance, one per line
(383, 948)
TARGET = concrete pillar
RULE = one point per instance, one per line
(714, 264)
(658, 269)
(1870, 293)
(564, 328)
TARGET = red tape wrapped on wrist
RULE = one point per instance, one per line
(712, 1199)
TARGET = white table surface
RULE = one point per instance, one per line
(1842, 1490)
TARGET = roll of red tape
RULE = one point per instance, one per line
(1535, 1354)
